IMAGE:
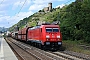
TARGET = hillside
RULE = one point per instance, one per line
(74, 20)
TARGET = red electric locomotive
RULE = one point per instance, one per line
(44, 35)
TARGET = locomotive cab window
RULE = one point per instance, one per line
(55, 29)
(52, 29)
(48, 29)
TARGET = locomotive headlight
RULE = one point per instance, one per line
(59, 43)
(47, 36)
(58, 36)
(47, 43)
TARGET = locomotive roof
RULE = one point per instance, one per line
(51, 25)
(43, 25)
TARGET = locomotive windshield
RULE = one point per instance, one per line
(55, 30)
(52, 29)
(48, 29)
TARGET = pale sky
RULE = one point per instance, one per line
(12, 11)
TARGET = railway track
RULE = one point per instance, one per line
(32, 51)
(21, 53)
(44, 55)
(78, 55)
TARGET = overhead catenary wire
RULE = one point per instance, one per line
(17, 7)
(67, 1)
(21, 7)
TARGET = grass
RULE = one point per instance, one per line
(75, 46)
